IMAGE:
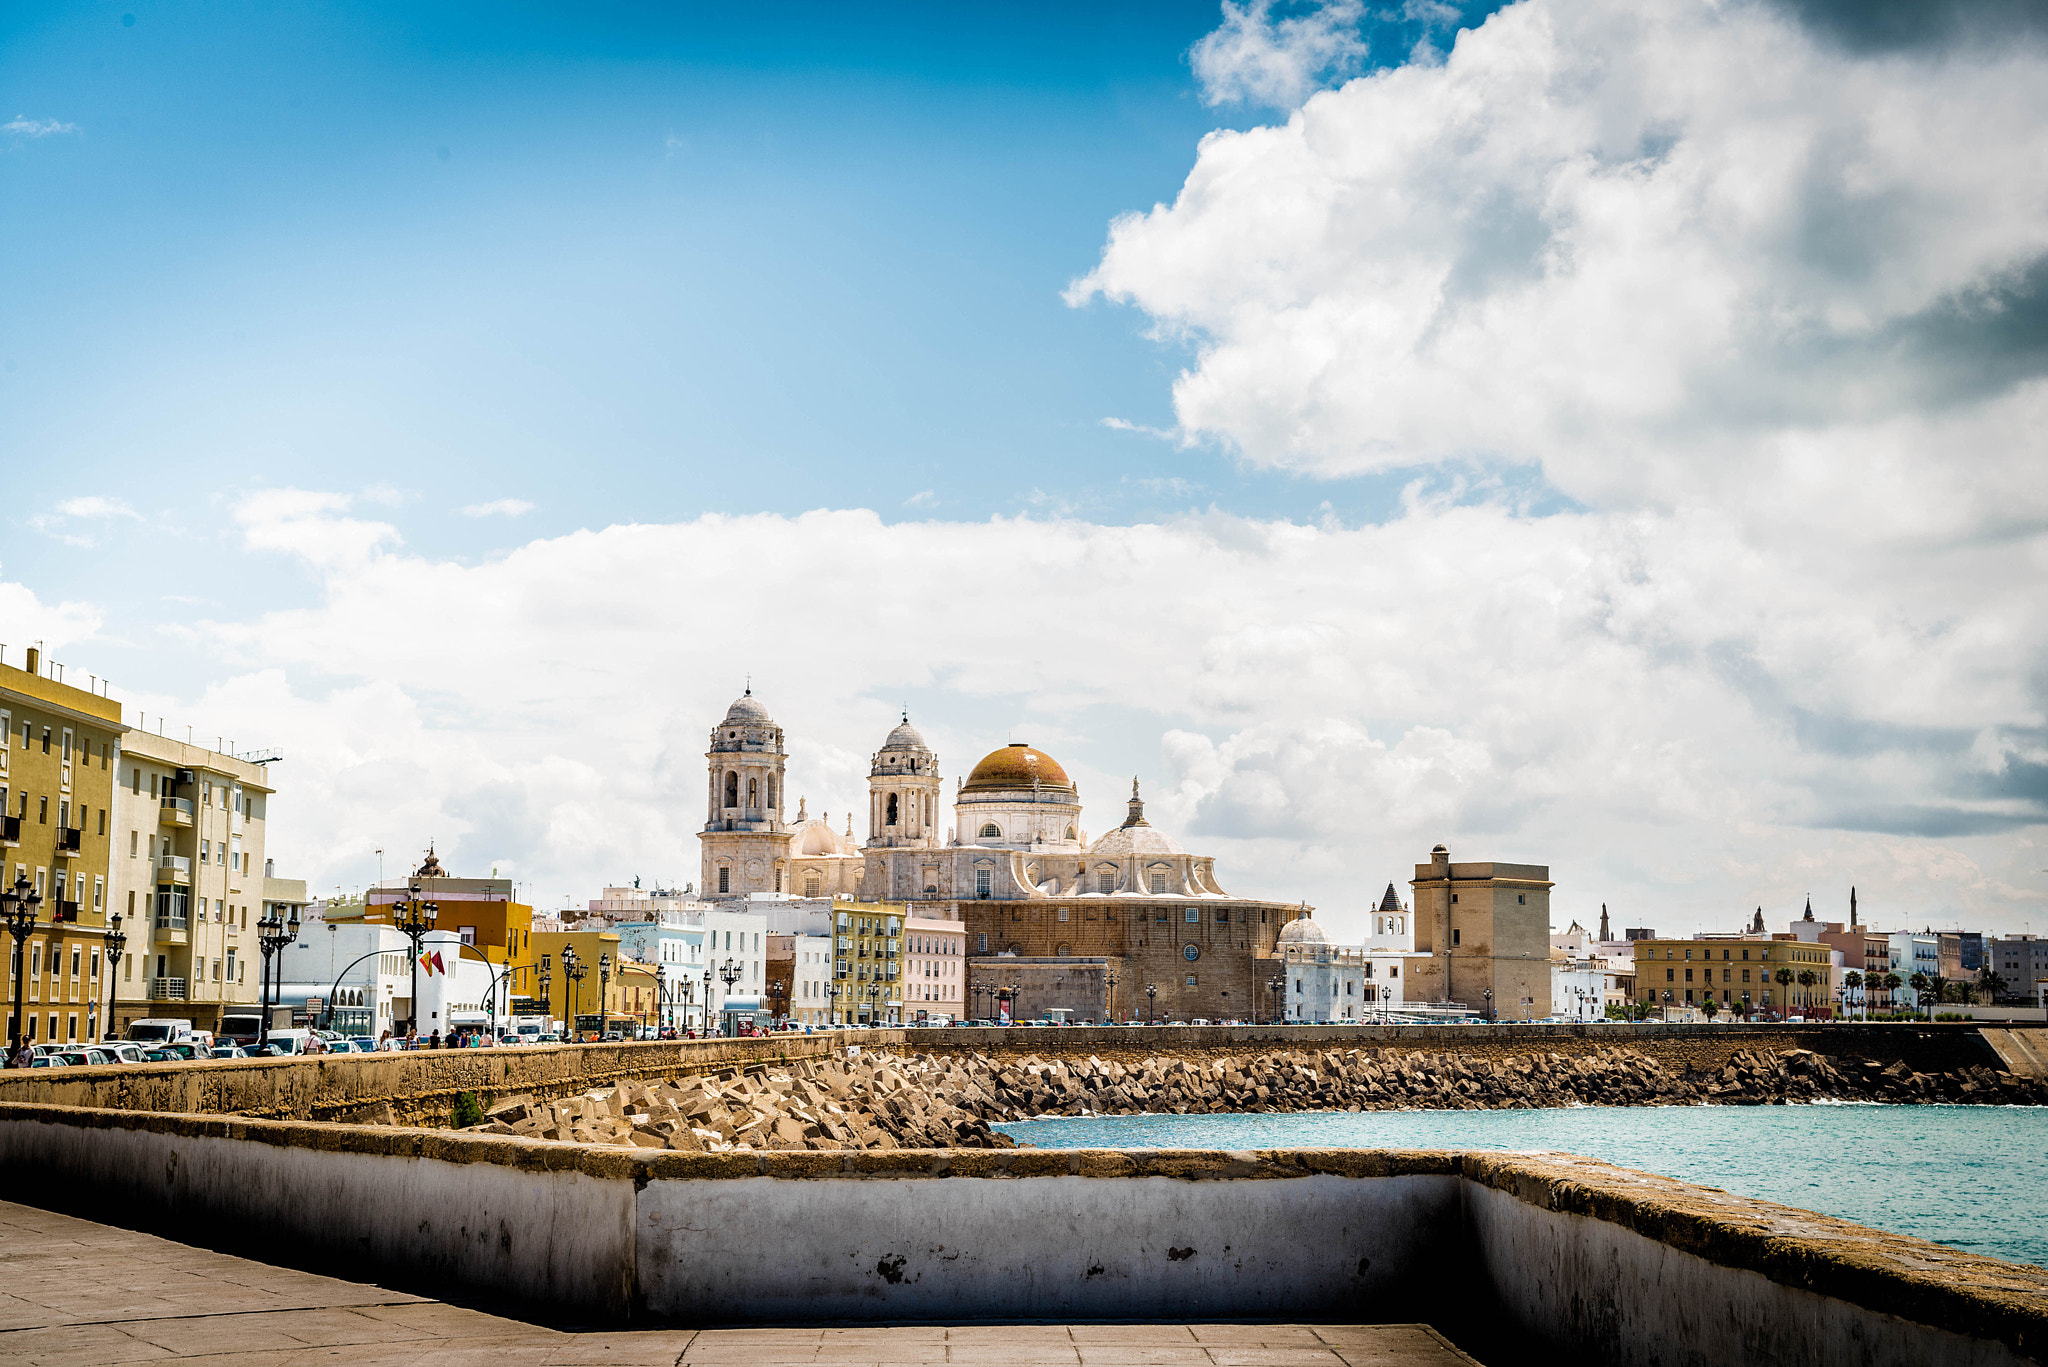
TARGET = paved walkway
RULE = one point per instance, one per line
(78, 1294)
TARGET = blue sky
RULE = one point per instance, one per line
(630, 262)
(1607, 443)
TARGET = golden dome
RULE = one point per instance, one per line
(1017, 765)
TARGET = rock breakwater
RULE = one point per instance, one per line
(879, 1100)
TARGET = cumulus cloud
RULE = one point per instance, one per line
(499, 507)
(1631, 701)
(312, 525)
(63, 523)
(1261, 57)
(1661, 250)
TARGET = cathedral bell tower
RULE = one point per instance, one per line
(745, 844)
(904, 792)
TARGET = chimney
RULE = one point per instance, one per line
(1852, 906)
(35, 659)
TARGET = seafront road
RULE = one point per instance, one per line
(80, 1294)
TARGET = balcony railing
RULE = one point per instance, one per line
(173, 868)
(175, 811)
(69, 839)
(10, 830)
(167, 989)
(64, 912)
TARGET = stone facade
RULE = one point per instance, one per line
(1486, 929)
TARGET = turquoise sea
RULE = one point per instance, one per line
(1973, 1177)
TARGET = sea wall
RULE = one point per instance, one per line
(1596, 1261)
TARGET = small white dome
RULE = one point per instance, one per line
(1303, 931)
(746, 710)
(1136, 840)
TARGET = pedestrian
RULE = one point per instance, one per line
(385, 1044)
(434, 1040)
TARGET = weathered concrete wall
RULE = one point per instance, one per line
(1601, 1262)
(417, 1086)
(1633, 1268)
(1056, 1246)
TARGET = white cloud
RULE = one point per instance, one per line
(1260, 59)
(21, 126)
(91, 508)
(309, 524)
(1666, 251)
(923, 498)
(1126, 425)
(499, 507)
(1629, 699)
(97, 506)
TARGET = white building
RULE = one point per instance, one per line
(1913, 951)
(810, 976)
(696, 943)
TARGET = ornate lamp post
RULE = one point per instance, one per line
(575, 970)
(688, 987)
(778, 992)
(272, 935)
(1109, 1005)
(604, 992)
(19, 906)
(542, 976)
(1151, 1000)
(116, 942)
(1277, 985)
(832, 996)
(413, 918)
(1489, 1005)
(707, 1001)
(728, 975)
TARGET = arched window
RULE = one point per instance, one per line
(989, 832)
(1065, 950)
(771, 791)
(1070, 832)
(927, 809)
(890, 820)
(753, 793)
(732, 789)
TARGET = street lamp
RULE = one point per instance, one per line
(728, 975)
(707, 1001)
(19, 905)
(116, 942)
(604, 991)
(413, 918)
(1151, 1000)
(1277, 986)
(832, 996)
(1109, 1002)
(542, 975)
(272, 935)
(575, 970)
(1489, 1006)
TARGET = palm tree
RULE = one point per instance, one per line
(1892, 984)
(1853, 980)
(1807, 979)
(1784, 980)
(1710, 1006)
(1990, 982)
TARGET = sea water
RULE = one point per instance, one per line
(1972, 1177)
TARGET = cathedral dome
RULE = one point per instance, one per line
(1017, 765)
(816, 838)
(1145, 839)
(905, 737)
(746, 710)
(1303, 931)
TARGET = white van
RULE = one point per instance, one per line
(160, 1030)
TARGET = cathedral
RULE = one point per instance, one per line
(1014, 865)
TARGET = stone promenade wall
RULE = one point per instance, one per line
(400, 1087)
(1576, 1257)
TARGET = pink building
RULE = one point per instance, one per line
(934, 968)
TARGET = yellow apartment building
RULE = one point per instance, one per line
(1740, 974)
(867, 965)
(188, 871)
(591, 1007)
(59, 745)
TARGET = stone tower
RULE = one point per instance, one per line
(904, 792)
(745, 844)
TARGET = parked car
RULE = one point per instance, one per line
(121, 1051)
(228, 1051)
(184, 1050)
(163, 1056)
(85, 1058)
(365, 1044)
(48, 1061)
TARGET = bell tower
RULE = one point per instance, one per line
(745, 845)
(904, 792)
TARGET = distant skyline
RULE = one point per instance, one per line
(1598, 434)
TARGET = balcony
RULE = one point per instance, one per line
(167, 989)
(69, 839)
(64, 913)
(173, 868)
(175, 811)
(10, 830)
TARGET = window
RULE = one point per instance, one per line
(981, 882)
(1159, 882)
(1063, 913)
(981, 943)
(1522, 898)
(1105, 881)
(725, 880)
(1457, 937)
(133, 837)
(990, 832)
(732, 793)
(890, 818)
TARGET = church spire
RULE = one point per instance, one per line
(1604, 935)
(1137, 816)
(1852, 904)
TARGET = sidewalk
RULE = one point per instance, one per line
(80, 1294)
